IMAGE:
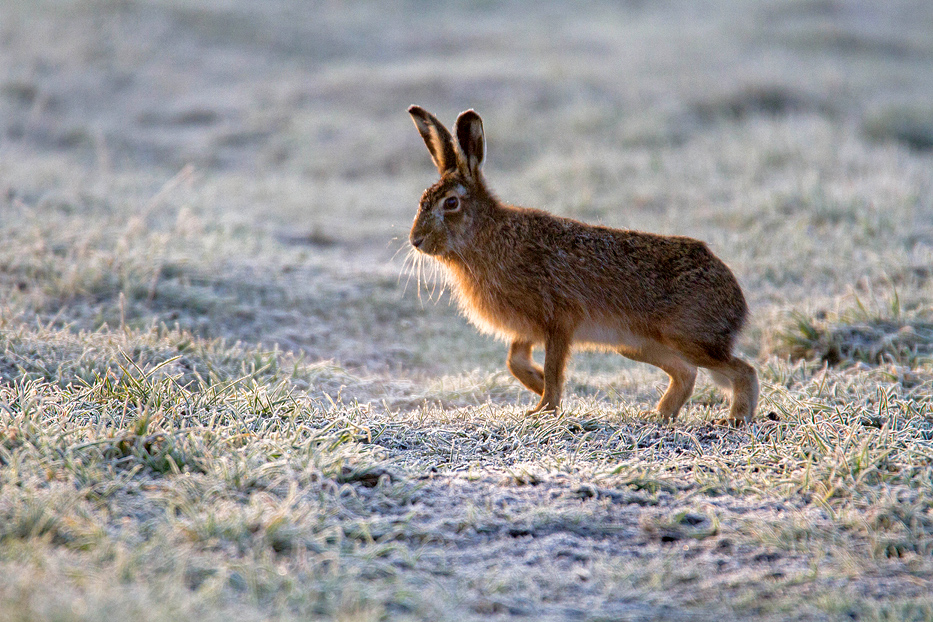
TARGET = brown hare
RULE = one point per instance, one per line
(532, 278)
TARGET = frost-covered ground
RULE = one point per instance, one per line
(222, 396)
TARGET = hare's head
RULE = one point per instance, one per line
(450, 210)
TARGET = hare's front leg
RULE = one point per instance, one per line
(524, 368)
(556, 351)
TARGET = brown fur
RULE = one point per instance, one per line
(536, 279)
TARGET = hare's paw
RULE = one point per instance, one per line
(543, 407)
(655, 416)
(729, 422)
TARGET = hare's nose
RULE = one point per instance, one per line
(416, 242)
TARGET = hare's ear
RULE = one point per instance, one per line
(469, 130)
(438, 140)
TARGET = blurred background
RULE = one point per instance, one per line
(247, 169)
(224, 395)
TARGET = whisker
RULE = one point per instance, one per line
(400, 248)
(434, 282)
(420, 260)
(407, 267)
(404, 264)
(414, 270)
(428, 274)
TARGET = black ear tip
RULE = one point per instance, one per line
(417, 111)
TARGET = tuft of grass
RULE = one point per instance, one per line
(909, 126)
(758, 100)
(680, 525)
(858, 335)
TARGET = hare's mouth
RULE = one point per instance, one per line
(428, 250)
(427, 246)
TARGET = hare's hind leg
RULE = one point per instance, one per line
(682, 374)
(742, 380)
(524, 368)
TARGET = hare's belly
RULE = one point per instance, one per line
(607, 334)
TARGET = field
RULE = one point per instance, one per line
(224, 395)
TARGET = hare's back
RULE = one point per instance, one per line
(654, 278)
(648, 263)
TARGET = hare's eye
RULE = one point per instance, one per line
(451, 204)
